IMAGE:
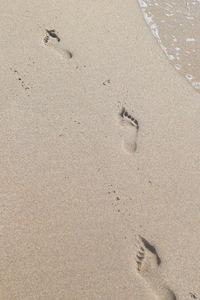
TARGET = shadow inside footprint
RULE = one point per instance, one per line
(151, 248)
(52, 40)
(130, 132)
(148, 261)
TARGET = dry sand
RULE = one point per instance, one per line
(74, 196)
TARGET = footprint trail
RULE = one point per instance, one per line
(148, 261)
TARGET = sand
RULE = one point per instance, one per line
(175, 25)
(78, 205)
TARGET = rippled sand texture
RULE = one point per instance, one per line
(176, 25)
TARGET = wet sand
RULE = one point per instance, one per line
(175, 25)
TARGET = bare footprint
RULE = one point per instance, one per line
(53, 41)
(148, 262)
(130, 128)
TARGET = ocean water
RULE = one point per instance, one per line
(176, 26)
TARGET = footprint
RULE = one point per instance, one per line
(130, 127)
(53, 41)
(148, 261)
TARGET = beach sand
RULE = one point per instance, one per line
(84, 192)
